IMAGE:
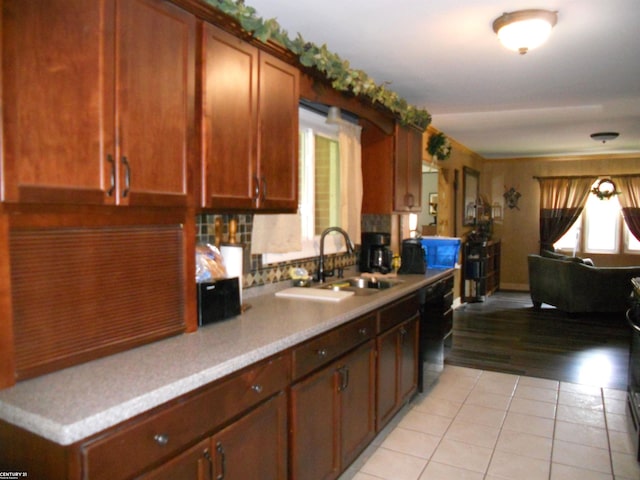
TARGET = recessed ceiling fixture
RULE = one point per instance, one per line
(524, 30)
(604, 136)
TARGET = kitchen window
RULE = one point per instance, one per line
(319, 187)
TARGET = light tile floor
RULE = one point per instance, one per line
(479, 425)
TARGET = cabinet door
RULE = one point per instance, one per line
(230, 114)
(387, 381)
(357, 402)
(397, 368)
(194, 464)
(254, 446)
(407, 169)
(155, 88)
(408, 359)
(57, 86)
(278, 135)
(315, 418)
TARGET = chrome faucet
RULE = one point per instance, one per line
(350, 249)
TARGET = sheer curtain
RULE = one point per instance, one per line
(350, 179)
(562, 200)
(629, 187)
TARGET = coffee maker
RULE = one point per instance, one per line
(375, 254)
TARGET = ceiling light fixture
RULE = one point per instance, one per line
(604, 137)
(524, 30)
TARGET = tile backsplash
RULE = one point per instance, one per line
(259, 274)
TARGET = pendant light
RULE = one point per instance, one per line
(524, 30)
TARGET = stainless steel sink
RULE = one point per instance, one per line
(361, 285)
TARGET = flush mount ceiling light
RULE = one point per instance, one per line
(604, 137)
(524, 30)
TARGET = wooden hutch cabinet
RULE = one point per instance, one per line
(391, 169)
(250, 126)
(98, 108)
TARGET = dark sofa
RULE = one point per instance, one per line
(574, 286)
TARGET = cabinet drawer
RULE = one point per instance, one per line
(398, 312)
(324, 348)
(140, 444)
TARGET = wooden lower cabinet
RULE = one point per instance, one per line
(255, 446)
(397, 369)
(333, 413)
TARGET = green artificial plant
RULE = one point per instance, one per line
(439, 146)
(342, 76)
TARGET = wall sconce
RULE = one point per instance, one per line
(496, 211)
(524, 30)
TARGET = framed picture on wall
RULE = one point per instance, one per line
(433, 204)
(470, 189)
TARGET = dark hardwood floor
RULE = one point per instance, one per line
(505, 334)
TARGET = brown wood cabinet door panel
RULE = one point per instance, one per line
(230, 115)
(387, 380)
(328, 346)
(194, 464)
(254, 446)
(57, 101)
(357, 401)
(155, 100)
(398, 312)
(278, 134)
(315, 450)
(408, 381)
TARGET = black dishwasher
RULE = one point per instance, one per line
(436, 326)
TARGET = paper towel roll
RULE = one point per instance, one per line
(233, 256)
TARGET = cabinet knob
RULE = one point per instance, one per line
(363, 331)
(322, 353)
(257, 388)
(161, 438)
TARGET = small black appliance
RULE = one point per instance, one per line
(375, 254)
(413, 258)
(218, 300)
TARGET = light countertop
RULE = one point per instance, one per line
(71, 404)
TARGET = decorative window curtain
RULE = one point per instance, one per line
(629, 187)
(562, 200)
(350, 179)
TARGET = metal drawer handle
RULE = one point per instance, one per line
(257, 388)
(161, 438)
(322, 353)
(112, 176)
(127, 177)
(363, 331)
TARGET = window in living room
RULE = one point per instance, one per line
(600, 229)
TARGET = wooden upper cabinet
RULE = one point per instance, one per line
(155, 100)
(98, 108)
(230, 115)
(408, 169)
(391, 169)
(278, 134)
(249, 126)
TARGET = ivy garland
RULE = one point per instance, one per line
(439, 146)
(343, 78)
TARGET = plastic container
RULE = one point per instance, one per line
(441, 252)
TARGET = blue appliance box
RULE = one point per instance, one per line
(441, 252)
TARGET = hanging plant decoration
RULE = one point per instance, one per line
(439, 146)
(605, 189)
(342, 77)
